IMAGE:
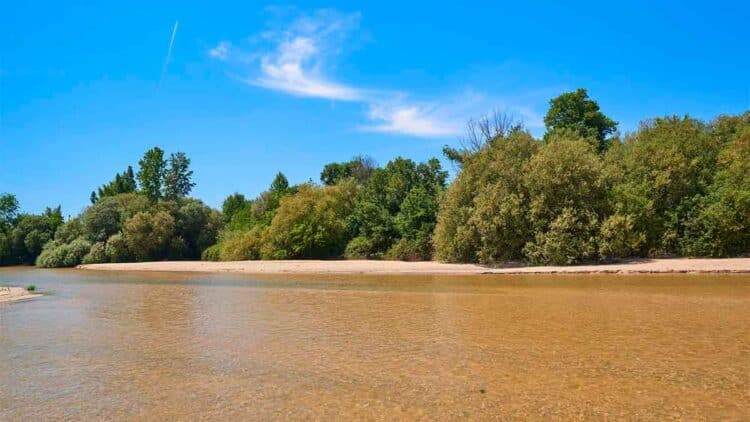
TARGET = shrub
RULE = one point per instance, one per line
(31, 288)
(410, 250)
(177, 249)
(212, 253)
(97, 254)
(148, 235)
(311, 223)
(570, 239)
(117, 250)
(239, 246)
(360, 248)
(619, 239)
(70, 254)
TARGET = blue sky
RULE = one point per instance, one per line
(248, 89)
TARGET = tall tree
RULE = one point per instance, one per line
(577, 112)
(151, 172)
(8, 208)
(177, 178)
(359, 168)
(280, 184)
(123, 183)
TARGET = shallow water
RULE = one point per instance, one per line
(178, 346)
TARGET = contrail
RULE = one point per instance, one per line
(169, 53)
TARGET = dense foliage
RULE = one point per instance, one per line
(22, 236)
(582, 192)
(361, 211)
(126, 224)
(676, 186)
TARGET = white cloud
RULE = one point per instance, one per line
(410, 119)
(221, 51)
(294, 68)
(296, 59)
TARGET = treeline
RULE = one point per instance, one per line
(359, 211)
(677, 186)
(135, 217)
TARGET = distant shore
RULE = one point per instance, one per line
(10, 294)
(670, 265)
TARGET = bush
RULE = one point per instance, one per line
(117, 250)
(97, 254)
(31, 288)
(484, 213)
(311, 224)
(212, 253)
(148, 235)
(177, 249)
(239, 246)
(56, 254)
(619, 239)
(360, 248)
(410, 250)
(570, 239)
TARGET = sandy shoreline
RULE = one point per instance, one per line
(672, 265)
(10, 294)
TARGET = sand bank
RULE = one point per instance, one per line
(676, 265)
(9, 294)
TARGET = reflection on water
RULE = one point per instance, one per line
(340, 347)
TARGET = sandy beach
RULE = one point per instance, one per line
(675, 265)
(10, 294)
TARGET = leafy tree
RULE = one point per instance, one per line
(577, 112)
(484, 215)
(280, 184)
(8, 209)
(232, 204)
(359, 168)
(311, 223)
(151, 172)
(659, 174)
(177, 178)
(102, 220)
(148, 235)
(57, 254)
(30, 233)
(398, 201)
(123, 183)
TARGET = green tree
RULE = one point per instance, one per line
(577, 112)
(311, 223)
(151, 173)
(122, 183)
(232, 204)
(359, 168)
(279, 185)
(398, 202)
(148, 235)
(8, 209)
(484, 215)
(177, 178)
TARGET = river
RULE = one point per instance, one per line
(177, 346)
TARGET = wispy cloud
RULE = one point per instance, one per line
(169, 53)
(221, 51)
(298, 58)
(410, 120)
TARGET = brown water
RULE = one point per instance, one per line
(177, 346)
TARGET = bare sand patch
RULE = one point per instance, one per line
(10, 294)
(671, 265)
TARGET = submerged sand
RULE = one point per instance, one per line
(9, 294)
(672, 265)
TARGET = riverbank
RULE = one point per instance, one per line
(10, 294)
(672, 265)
